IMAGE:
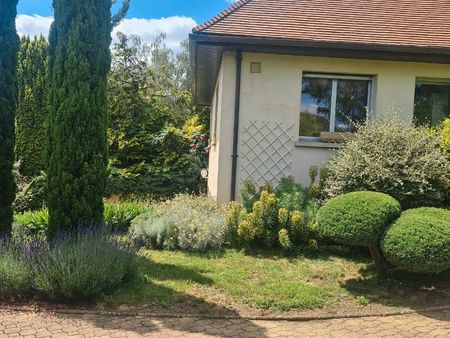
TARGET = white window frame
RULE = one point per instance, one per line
(335, 78)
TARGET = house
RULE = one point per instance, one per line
(284, 79)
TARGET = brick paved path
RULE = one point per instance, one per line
(18, 324)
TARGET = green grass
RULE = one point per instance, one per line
(257, 281)
(337, 278)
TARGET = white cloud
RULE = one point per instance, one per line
(33, 24)
(176, 28)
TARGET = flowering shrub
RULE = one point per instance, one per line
(391, 156)
(272, 217)
(186, 222)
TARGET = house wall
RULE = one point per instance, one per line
(270, 103)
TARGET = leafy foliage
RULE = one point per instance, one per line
(156, 139)
(9, 45)
(119, 216)
(271, 217)
(186, 222)
(79, 60)
(358, 218)
(419, 241)
(32, 109)
(81, 264)
(444, 133)
(30, 194)
(30, 225)
(393, 157)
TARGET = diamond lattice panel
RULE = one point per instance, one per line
(266, 151)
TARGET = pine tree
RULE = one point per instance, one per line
(32, 108)
(9, 44)
(79, 62)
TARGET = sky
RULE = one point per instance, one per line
(146, 18)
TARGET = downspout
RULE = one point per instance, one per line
(237, 108)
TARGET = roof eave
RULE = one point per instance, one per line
(306, 48)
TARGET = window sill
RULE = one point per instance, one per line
(317, 144)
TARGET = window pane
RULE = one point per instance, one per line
(432, 104)
(351, 104)
(315, 106)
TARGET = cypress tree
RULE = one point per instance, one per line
(79, 62)
(32, 108)
(9, 44)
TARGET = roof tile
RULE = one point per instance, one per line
(418, 23)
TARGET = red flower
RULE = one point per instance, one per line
(194, 146)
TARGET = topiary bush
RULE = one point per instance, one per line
(359, 219)
(419, 241)
(393, 157)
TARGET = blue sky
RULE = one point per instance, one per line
(146, 18)
(199, 10)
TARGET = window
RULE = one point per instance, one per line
(332, 103)
(432, 102)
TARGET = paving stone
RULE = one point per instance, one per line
(25, 324)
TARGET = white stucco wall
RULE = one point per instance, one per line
(274, 95)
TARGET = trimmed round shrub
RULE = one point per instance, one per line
(357, 218)
(419, 241)
(393, 157)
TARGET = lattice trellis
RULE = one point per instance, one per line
(266, 151)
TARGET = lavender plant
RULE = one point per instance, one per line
(81, 264)
(15, 275)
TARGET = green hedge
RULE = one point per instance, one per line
(419, 241)
(357, 218)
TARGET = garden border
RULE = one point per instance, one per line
(305, 318)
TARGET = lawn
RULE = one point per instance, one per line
(336, 279)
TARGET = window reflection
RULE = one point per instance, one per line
(315, 106)
(332, 104)
(432, 103)
(351, 104)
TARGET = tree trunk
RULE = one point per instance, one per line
(377, 258)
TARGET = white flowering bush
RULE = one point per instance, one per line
(186, 222)
(392, 156)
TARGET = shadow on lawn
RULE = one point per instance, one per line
(145, 287)
(400, 289)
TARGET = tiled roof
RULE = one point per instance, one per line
(415, 23)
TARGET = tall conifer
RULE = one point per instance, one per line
(9, 45)
(79, 62)
(32, 105)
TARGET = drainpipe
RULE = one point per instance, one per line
(237, 107)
